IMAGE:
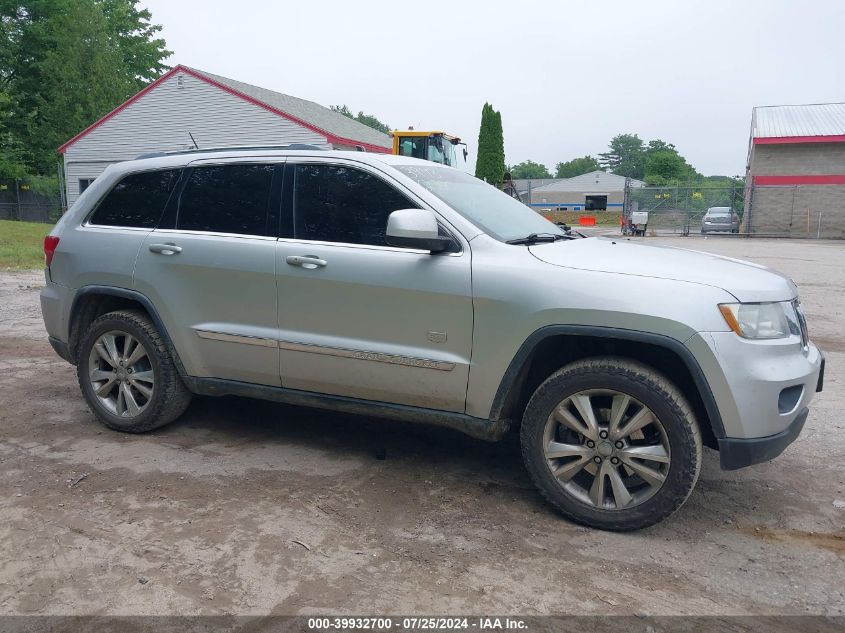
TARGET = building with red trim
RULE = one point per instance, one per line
(186, 106)
(795, 177)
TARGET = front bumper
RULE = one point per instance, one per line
(61, 348)
(737, 453)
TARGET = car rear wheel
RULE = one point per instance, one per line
(127, 373)
(611, 443)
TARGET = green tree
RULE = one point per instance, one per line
(12, 163)
(490, 163)
(529, 169)
(66, 63)
(626, 156)
(576, 167)
(659, 145)
(667, 166)
(367, 119)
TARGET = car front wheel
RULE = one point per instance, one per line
(611, 443)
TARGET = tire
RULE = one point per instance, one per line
(655, 489)
(156, 393)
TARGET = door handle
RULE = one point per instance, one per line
(165, 249)
(306, 261)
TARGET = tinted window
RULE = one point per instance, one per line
(226, 199)
(138, 200)
(343, 204)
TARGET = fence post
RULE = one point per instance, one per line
(18, 197)
(62, 189)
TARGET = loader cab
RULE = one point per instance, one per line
(438, 147)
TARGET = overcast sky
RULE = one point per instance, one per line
(566, 76)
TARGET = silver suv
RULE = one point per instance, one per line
(388, 286)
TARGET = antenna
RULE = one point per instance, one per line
(192, 140)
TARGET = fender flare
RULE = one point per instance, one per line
(659, 340)
(133, 295)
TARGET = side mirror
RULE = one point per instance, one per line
(415, 228)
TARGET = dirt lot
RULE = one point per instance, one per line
(254, 508)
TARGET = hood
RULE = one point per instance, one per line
(746, 281)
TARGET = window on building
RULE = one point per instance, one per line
(138, 200)
(226, 199)
(84, 183)
(596, 203)
(333, 203)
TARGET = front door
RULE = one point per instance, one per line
(211, 273)
(359, 318)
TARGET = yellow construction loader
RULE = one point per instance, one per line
(437, 147)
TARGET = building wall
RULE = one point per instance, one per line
(162, 119)
(796, 210)
(573, 200)
(798, 159)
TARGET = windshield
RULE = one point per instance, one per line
(491, 210)
(441, 151)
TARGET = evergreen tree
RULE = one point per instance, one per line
(626, 156)
(490, 164)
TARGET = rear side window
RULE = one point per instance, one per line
(333, 203)
(226, 199)
(136, 201)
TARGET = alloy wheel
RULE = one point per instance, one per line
(606, 449)
(121, 374)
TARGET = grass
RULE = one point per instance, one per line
(22, 244)
(603, 218)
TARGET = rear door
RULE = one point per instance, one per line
(114, 231)
(209, 268)
(360, 318)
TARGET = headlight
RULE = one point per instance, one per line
(762, 320)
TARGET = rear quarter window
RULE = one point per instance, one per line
(137, 200)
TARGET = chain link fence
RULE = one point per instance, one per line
(18, 201)
(679, 210)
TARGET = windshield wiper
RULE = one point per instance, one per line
(537, 238)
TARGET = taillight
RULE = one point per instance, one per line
(50, 244)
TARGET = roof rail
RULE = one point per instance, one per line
(291, 146)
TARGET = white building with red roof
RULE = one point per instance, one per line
(187, 107)
(795, 177)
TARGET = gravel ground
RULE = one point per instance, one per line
(253, 508)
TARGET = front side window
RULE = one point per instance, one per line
(138, 200)
(334, 203)
(413, 146)
(226, 199)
